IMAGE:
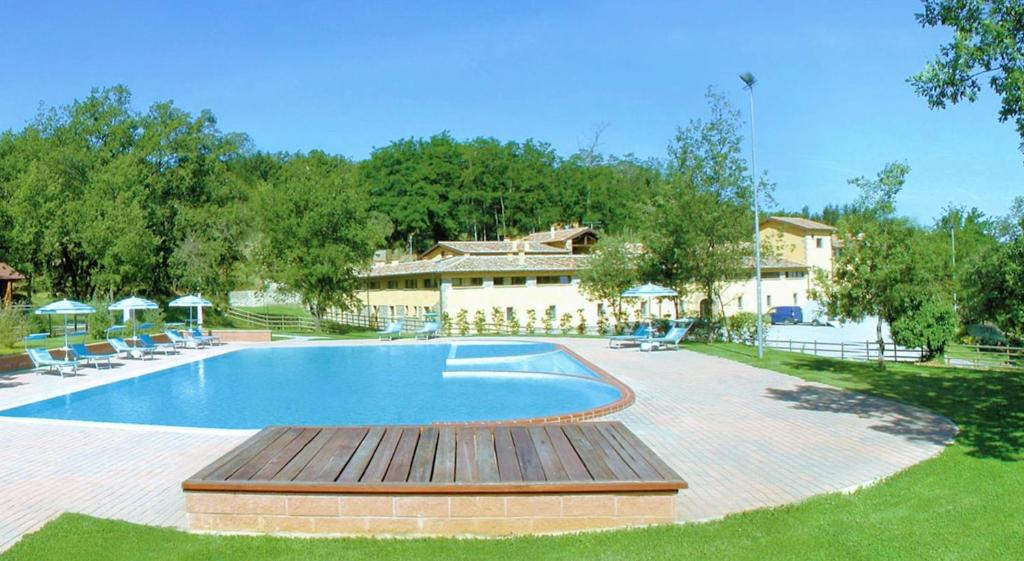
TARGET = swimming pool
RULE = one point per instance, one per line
(345, 385)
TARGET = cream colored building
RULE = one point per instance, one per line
(540, 273)
(801, 247)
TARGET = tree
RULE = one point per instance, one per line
(999, 279)
(611, 269)
(318, 234)
(886, 269)
(930, 326)
(698, 230)
(986, 42)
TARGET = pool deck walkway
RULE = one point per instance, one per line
(743, 438)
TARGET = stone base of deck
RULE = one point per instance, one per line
(424, 515)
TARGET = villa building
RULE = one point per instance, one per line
(540, 272)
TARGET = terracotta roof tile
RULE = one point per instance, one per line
(481, 264)
(558, 235)
(8, 273)
(800, 222)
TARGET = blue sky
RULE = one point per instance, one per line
(832, 101)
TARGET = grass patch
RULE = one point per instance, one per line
(965, 504)
(295, 310)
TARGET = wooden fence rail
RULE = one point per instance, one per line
(848, 350)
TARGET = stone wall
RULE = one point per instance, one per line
(424, 515)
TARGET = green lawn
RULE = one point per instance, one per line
(296, 310)
(966, 504)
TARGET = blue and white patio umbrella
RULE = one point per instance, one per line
(129, 305)
(190, 302)
(65, 308)
(650, 291)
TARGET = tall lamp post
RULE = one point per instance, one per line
(749, 80)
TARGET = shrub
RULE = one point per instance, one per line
(981, 334)
(581, 322)
(531, 321)
(513, 323)
(930, 327)
(742, 327)
(708, 329)
(14, 325)
(602, 323)
(497, 320)
(565, 323)
(446, 324)
(548, 323)
(99, 322)
(479, 322)
(462, 322)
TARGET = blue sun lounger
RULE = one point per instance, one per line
(83, 353)
(197, 334)
(673, 337)
(43, 360)
(147, 342)
(429, 330)
(182, 342)
(616, 341)
(393, 331)
(120, 346)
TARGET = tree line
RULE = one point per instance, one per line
(102, 200)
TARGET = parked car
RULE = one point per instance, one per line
(786, 314)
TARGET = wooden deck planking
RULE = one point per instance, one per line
(567, 455)
(423, 459)
(486, 456)
(355, 467)
(570, 457)
(635, 462)
(529, 459)
(382, 456)
(444, 462)
(249, 469)
(230, 462)
(299, 462)
(505, 449)
(465, 456)
(327, 464)
(615, 463)
(286, 454)
(553, 470)
(401, 464)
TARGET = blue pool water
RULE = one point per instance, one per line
(379, 384)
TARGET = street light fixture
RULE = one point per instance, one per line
(749, 80)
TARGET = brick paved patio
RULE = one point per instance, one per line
(742, 437)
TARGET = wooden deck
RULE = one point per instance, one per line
(597, 457)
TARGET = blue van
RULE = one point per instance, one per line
(786, 314)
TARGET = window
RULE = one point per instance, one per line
(600, 309)
(796, 299)
(374, 285)
(554, 280)
(411, 283)
(458, 282)
(769, 300)
(739, 303)
(795, 274)
(509, 312)
(499, 281)
(518, 281)
(392, 284)
(770, 275)
(819, 242)
(429, 283)
(476, 281)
